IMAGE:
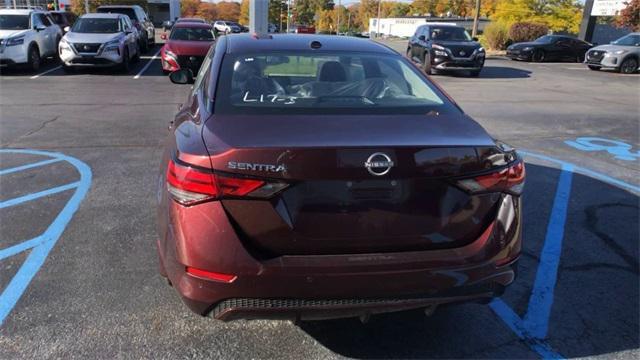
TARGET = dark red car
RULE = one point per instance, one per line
(186, 46)
(313, 177)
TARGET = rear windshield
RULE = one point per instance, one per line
(14, 22)
(191, 34)
(322, 82)
(125, 11)
(96, 26)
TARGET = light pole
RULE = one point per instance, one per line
(338, 16)
(288, 13)
(476, 18)
(378, 29)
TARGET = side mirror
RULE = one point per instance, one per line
(474, 38)
(40, 27)
(67, 29)
(421, 38)
(182, 77)
(163, 36)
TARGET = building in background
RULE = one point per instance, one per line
(406, 26)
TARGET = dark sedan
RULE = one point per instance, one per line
(312, 177)
(549, 48)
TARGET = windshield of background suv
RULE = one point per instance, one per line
(96, 26)
(124, 11)
(309, 83)
(629, 40)
(449, 33)
(191, 34)
(14, 22)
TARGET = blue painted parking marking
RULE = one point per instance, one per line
(534, 326)
(41, 245)
(619, 149)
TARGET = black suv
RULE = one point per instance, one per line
(139, 19)
(444, 48)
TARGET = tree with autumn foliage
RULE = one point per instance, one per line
(189, 8)
(207, 11)
(629, 17)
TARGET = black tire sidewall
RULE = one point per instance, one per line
(125, 61)
(426, 64)
(622, 66)
(540, 56)
(33, 48)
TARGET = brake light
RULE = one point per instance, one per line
(188, 185)
(210, 275)
(509, 180)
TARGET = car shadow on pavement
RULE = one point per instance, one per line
(594, 308)
(495, 72)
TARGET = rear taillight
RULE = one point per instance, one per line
(210, 275)
(188, 185)
(508, 180)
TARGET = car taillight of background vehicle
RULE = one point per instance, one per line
(508, 180)
(188, 185)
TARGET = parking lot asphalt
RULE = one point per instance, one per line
(87, 285)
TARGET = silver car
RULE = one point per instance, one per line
(100, 40)
(622, 55)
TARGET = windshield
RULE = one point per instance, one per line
(14, 22)
(629, 40)
(191, 34)
(547, 39)
(96, 26)
(449, 33)
(308, 83)
(124, 11)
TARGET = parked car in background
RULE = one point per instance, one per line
(549, 48)
(348, 186)
(446, 48)
(272, 28)
(186, 46)
(26, 37)
(140, 20)
(193, 20)
(100, 40)
(243, 28)
(64, 19)
(226, 27)
(622, 55)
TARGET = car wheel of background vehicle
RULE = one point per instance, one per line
(408, 53)
(144, 47)
(34, 57)
(594, 68)
(629, 66)
(426, 64)
(538, 56)
(136, 58)
(56, 53)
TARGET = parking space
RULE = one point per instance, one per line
(97, 293)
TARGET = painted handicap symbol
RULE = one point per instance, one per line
(533, 327)
(619, 149)
(40, 246)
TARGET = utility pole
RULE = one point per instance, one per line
(288, 13)
(86, 6)
(378, 22)
(259, 17)
(476, 18)
(338, 16)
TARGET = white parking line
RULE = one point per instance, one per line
(46, 72)
(147, 65)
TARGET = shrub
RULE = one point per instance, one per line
(526, 31)
(495, 36)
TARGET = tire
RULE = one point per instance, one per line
(475, 73)
(125, 66)
(594, 68)
(144, 45)
(408, 54)
(34, 58)
(426, 64)
(136, 58)
(628, 66)
(538, 56)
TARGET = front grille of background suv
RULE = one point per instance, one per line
(595, 56)
(86, 47)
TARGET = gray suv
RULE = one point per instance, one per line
(622, 55)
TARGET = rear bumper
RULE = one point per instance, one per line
(329, 286)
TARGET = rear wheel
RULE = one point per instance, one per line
(629, 66)
(34, 58)
(594, 68)
(538, 56)
(125, 66)
(426, 64)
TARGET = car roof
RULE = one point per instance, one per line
(101, 16)
(187, 19)
(242, 43)
(18, 11)
(187, 24)
(118, 6)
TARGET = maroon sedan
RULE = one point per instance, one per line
(314, 177)
(186, 46)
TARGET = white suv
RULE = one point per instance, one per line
(226, 27)
(27, 36)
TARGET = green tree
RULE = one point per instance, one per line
(307, 9)
(244, 12)
(558, 15)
